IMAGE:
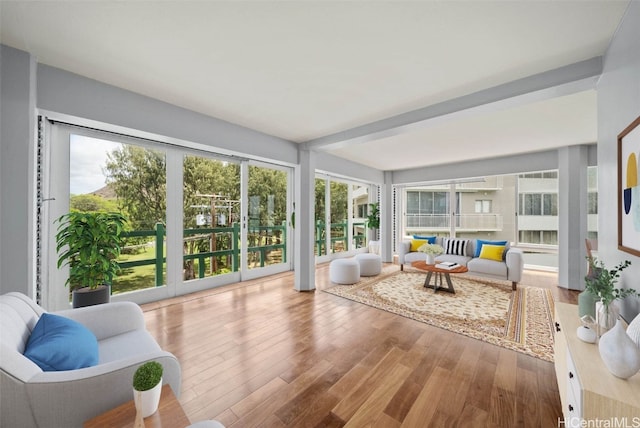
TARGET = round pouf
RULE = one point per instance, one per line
(344, 271)
(370, 264)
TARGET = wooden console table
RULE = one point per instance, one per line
(169, 414)
(588, 391)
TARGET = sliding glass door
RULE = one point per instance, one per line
(195, 219)
(267, 240)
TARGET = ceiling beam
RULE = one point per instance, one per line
(567, 80)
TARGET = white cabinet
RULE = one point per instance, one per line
(588, 391)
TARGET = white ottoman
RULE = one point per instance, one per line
(370, 264)
(344, 271)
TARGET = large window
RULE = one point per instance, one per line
(195, 219)
(267, 229)
(107, 175)
(341, 209)
(211, 217)
(427, 209)
(538, 204)
(486, 208)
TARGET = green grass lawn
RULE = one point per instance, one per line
(139, 277)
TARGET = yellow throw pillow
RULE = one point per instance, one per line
(417, 243)
(492, 252)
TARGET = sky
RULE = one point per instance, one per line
(88, 157)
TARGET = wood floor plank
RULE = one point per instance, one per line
(502, 410)
(424, 408)
(505, 377)
(269, 406)
(479, 393)
(347, 407)
(259, 353)
(371, 410)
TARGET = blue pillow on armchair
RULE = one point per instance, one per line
(58, 343)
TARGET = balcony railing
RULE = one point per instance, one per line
(262, 240)
(482, 222)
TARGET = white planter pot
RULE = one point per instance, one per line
(431, 259)
(147, 401)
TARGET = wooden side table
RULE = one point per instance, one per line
(169, 414)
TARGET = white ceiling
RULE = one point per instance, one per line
(304, 70)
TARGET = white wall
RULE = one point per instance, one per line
(74, 95)
(618, 106)
(17, 82)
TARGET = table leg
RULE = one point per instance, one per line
(449, 284)
(438, 278)
(428, 280)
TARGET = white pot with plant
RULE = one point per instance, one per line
(431, 250)
(147, 386)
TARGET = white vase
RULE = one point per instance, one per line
(147, 401)
(431, 259)
(633, 330)
(619, 354)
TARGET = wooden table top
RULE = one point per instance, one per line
(169, 414)
(432, 268)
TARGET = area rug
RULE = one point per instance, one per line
(490, 311)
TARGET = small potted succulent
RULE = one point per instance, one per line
(431, 250)
(147, 385)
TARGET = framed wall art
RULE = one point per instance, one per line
(629, 189)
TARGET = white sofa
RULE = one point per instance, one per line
(31, 397)
(509, 269)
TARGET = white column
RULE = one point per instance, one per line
(572, 216)
(386, 218)
(304, 258)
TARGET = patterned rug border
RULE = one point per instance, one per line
(528, 325)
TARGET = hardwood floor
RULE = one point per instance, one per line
(261, 354)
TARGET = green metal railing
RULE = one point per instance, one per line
(256, 234)
(339, 234)
(260, 243)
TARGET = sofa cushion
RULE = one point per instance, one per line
(488, 267)
(414, 257)
(58, 343)
(126, 345)
(430, 239)
(480, 243)
(492, 252)
(456, 247)
(461, 260)
(416, 244)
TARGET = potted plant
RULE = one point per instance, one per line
(373, 219)
(90, 243)
(147, 386)
(431, 250)
(601, 283)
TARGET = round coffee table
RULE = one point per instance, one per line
(439, 273)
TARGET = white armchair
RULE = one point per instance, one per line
(31, 397)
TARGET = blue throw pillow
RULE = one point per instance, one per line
(429, 239)
(58, 343)
(480, 242)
